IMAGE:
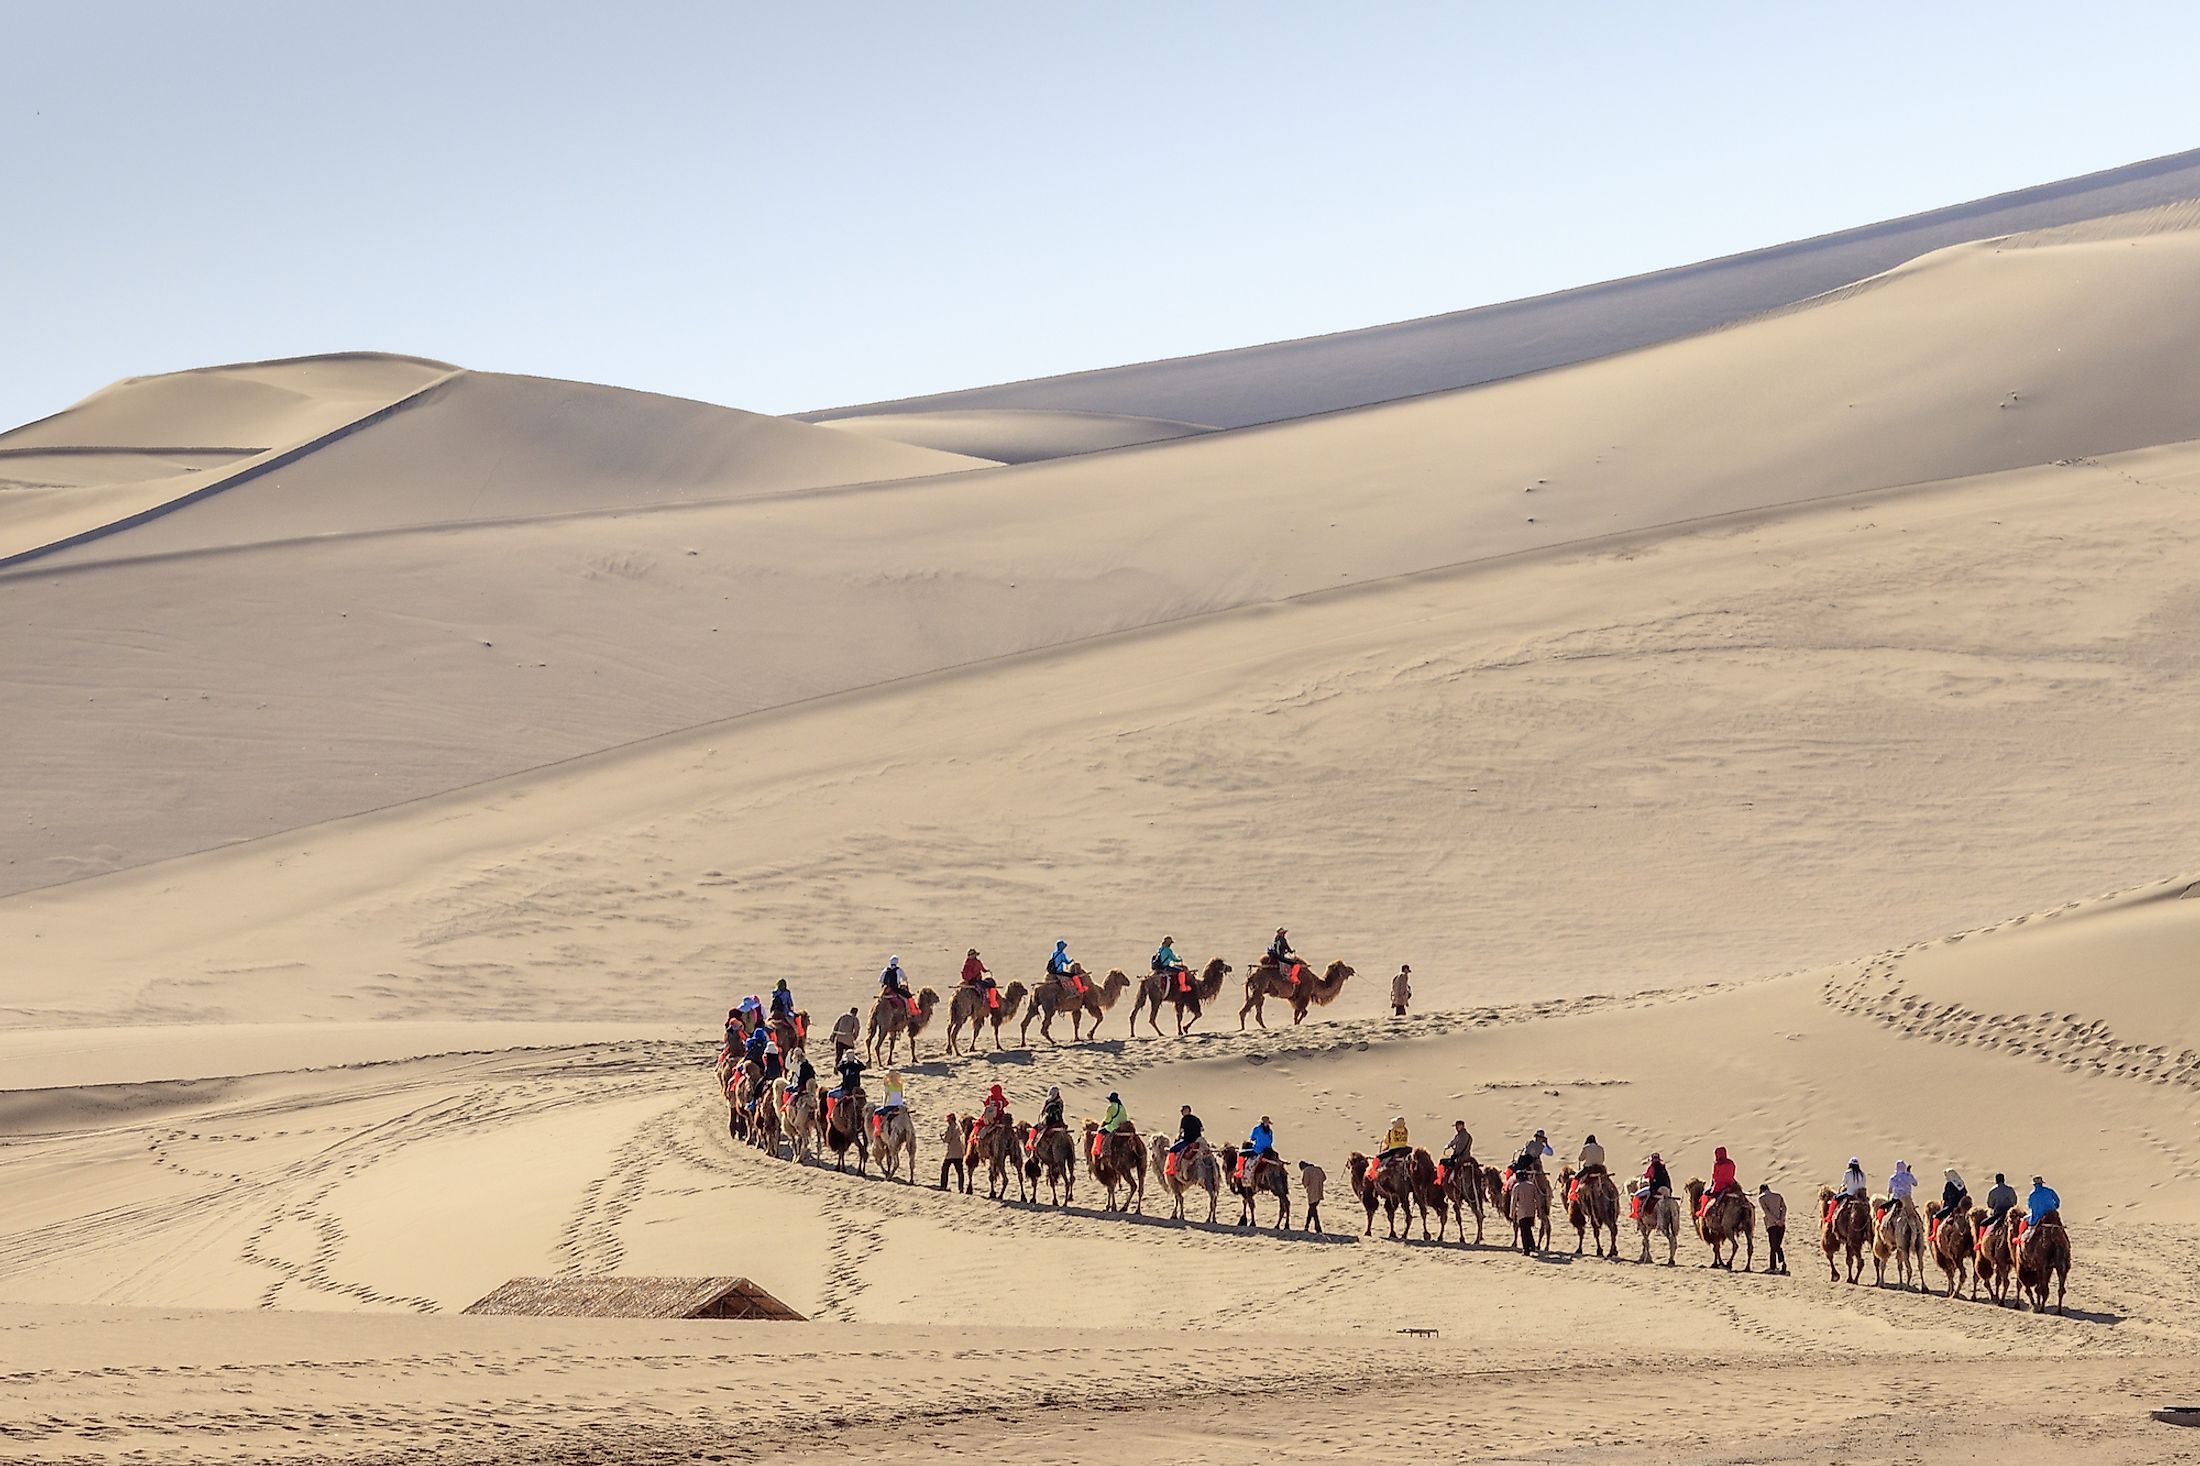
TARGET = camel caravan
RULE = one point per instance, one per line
(2016, 1253)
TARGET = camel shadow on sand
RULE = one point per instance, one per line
(1215, 1228)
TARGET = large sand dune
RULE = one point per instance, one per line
(1735, 734)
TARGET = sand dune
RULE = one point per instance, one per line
(399, 818)
(1016, 435)
(525, 644)
(1288, 379)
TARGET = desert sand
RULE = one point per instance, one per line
(1769, 734)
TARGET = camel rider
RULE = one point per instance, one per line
(1397, 1145)
(736, 1039)
(2042, 1201)
(1591, 1160)
(782, 1001)
(774, 1066)
(1656, 1179)
(1460, 1148)
(753, 1052)
(1261, 1145)
(995, 1111)
(1058, 964)
(892, 979)
(752, 1010)
(976, 973)
(2000, 1201)
(894, 1099)
(1189, 1129)
(1953, 1193)
(1050, 1114)
(1166, 961)
(1722, 1177)
(1854, 1183)
(802, 1076)
(1117, 1117)
(851, 1077)
(1280, 955)
(1902, 1184)
(1532, 1154)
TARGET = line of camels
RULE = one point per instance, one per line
(1086, 1000)
(1016, 1156)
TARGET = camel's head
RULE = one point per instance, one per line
(927, 1000)
(1092, 1127)
(1825, 1194)
(1932, 1208)
(1694, 1188)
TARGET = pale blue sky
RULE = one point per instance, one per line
(794, 206)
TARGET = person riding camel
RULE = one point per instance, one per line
(1460, 1148)
(2040, 1202)
(851, 1082)
(2000, 1201)
(995, 1110)
(1953, 1193)
(752, 1011)
(894, 1098)
(774, 1066)
(1261, 1144)
(1116, 1117)
(1902, 1185)
(802, 1076)
(1532, 1154)
(1050, 1115)
(782, 1001)
(892, 979)
(976, 974)
(1722, 1179)
(1189, 1130)
(1656, 1181)
(1591, 1160)
(1166, 962)
(736, 1033)
(1397, 1144)
(1281, 957)
(753, 1051)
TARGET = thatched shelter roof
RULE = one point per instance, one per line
(615, 1297)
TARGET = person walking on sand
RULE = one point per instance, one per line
(1312, 1179)
(952, 1158)
(1401, 991)
(845, 1031)
(1773, 1207)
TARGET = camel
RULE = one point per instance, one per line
(1725, 1226)
(1077, 995)
(1269, 1176)
(1900, 1235)
(1460, 1185)
(1187, 994)
(894, 1136)
(891, 1022)
(1844, 1228)
(1303, 991)
(1592, 1205)
(790, 1034)
(2043, 1256)
(1383, 1183)
(1194, 1167)
(995, 1146)
(1527, 1203)
(1053, 1154)
(1117, 1161)
(1996, 1261)
(1659, 1215)
(800, 1113)
(844, 1127)
(1955, 1245)
(764, 1118)
(969, 1008)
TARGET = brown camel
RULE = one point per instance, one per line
(1193, 1168)
(1187, 994)
(1845, 1227)
(1298, 986)
(1900, 1236)
(1386, 1183)
(1996, 1261)
(1659, 1215)
(800, 1123)
(764, 1119)
(969, 1008)
(1077, 995)
(1117, 1161)
(1461, 1185)
(790, 1034)
(1251, 1178)
(892, 1021)
(1592, 1205)
(1528, 1205)
(1726, 1225)
(1052, 1153)
(995, 1147)
(894, 1140)
(1955, 1245)
(845, 1126)
(2043, 1256)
